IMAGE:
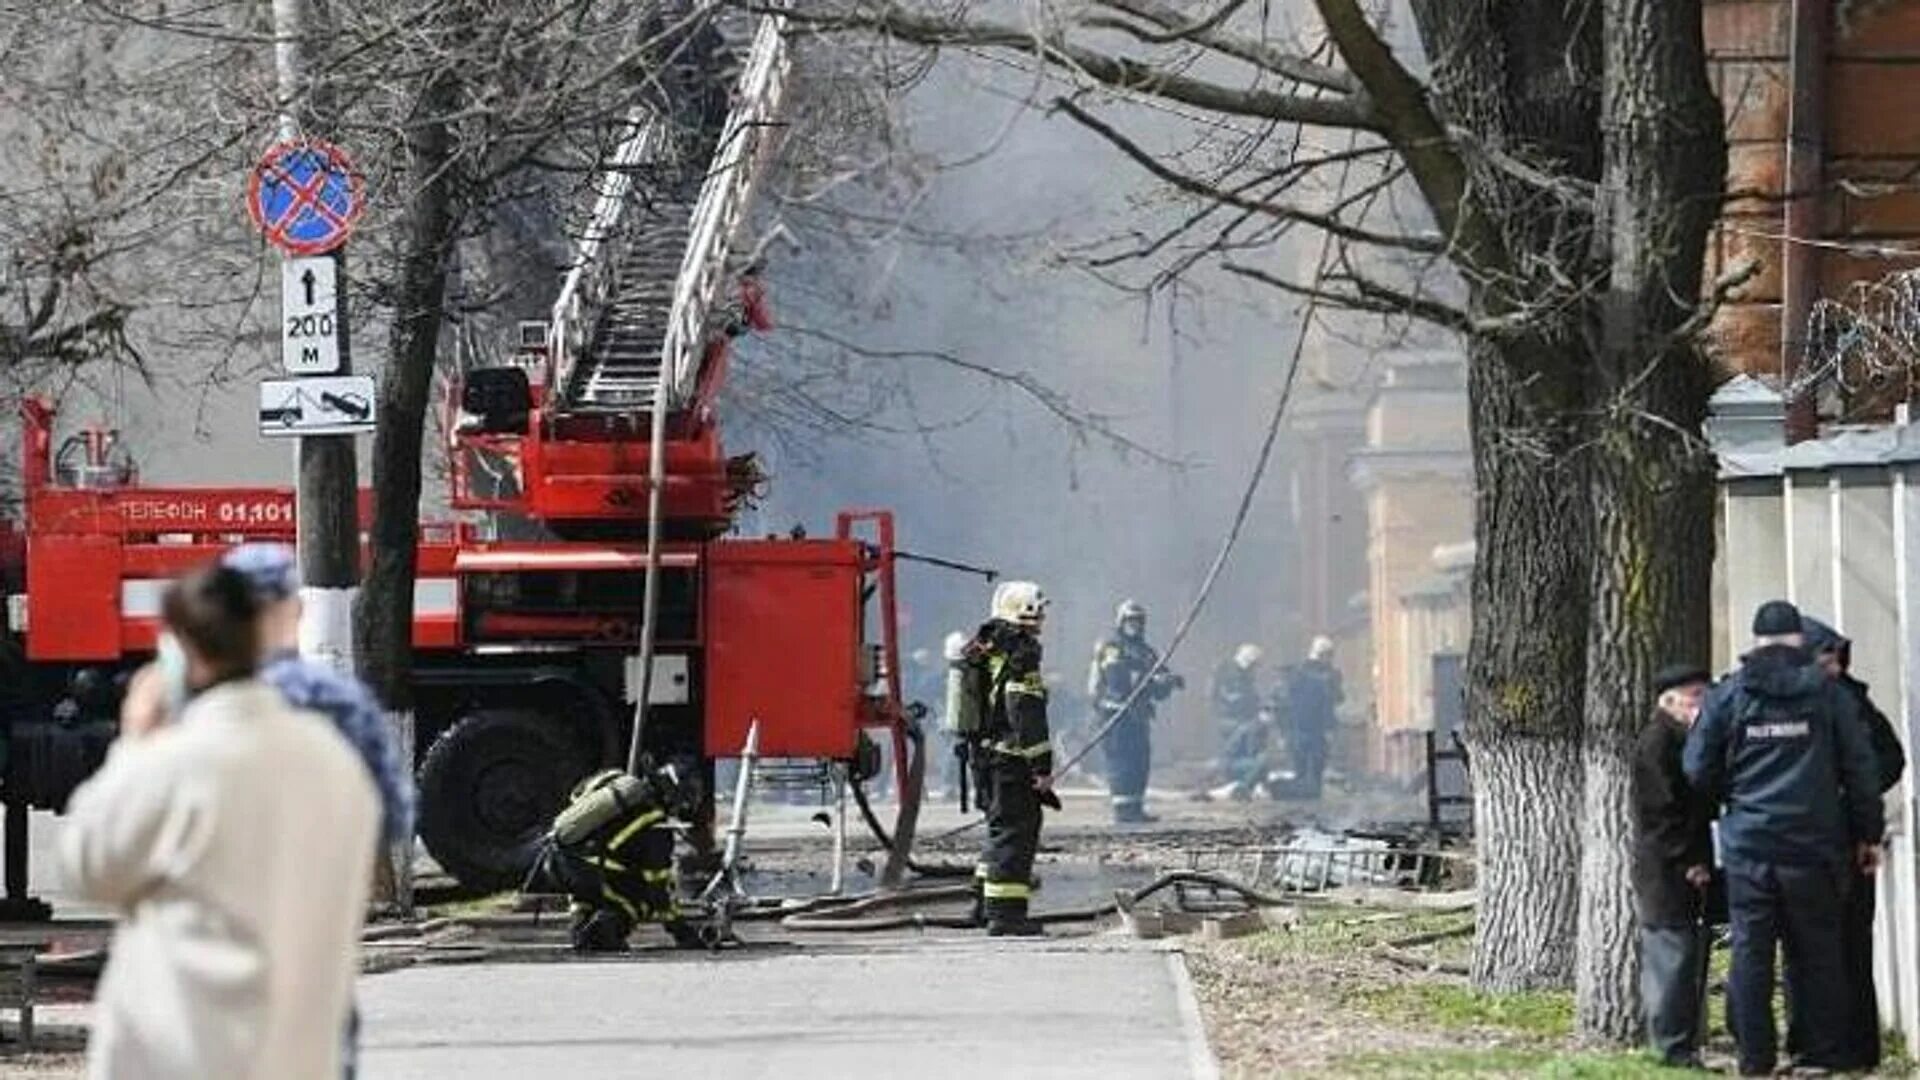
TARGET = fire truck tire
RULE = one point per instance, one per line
(490, 786)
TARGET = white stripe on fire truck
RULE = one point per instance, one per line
(140, 597)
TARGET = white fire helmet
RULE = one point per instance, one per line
(1247, 655)
(1020, 603)
(1321, 649)
(1130, 609)
(954, 647)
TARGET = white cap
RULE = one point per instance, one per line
(1321, 648)
(1247, 655)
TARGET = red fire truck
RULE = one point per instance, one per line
(525, 649)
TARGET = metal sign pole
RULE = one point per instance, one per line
(327, 498)
(328, 495)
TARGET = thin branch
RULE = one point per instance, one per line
(1117, 72)
(1174, 27)
(1427, 245)
(1047, 397)
(1430, 311)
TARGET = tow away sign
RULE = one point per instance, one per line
(334, 405)
(309, 336)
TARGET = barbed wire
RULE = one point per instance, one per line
(1863, 340)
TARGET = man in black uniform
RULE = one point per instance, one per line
(1672, 867)
(1783, 748)
(1014, 754)
(1861, 1038)
(611, 849)
(1121, 663)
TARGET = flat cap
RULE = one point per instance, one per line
(1674, 675)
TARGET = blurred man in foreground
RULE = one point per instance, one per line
(308, 684)
(231, 832)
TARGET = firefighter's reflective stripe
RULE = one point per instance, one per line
(1012, 750)
(1029, 685)
(979, 871)
(651, 817)
(608, 891)
(1008, 890)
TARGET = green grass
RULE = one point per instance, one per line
(1536, 1015)
(1506, 1061)
(1334, 933)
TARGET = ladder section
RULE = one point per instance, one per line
(585, 292)
(744, 153)
(651, 266)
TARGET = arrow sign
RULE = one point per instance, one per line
(309, 336)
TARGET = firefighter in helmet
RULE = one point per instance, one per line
(611, 849)
(1012, 753)
(1122, 673)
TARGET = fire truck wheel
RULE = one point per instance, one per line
(489, 788)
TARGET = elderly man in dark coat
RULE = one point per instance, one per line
(1672, 865)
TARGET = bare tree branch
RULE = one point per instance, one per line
(1174, 27)
(1111, 70)
(1429, 245)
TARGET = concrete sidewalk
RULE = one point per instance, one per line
(961, 1009)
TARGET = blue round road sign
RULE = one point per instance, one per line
(305, 196)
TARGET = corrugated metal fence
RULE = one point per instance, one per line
(1834, 526)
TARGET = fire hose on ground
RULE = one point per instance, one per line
(916, 771)
(852, 917)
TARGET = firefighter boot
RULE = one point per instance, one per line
(977, 914)
(598, 930)
(685, 935)
(1008, 918)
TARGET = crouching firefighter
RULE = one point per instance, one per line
(997, 707)
(611, 850)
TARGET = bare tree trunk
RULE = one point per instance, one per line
(384, 615)
(1519, 77)
(1525, 685)
(1651, 479)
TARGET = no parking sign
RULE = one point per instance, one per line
(305, 196)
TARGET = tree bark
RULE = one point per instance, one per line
(1651, 478)
(1518, 79)
(383, 616)
(1525, 669)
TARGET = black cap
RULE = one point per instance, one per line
(1679, 675)
(1777, 617)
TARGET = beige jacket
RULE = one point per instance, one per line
(235, 843)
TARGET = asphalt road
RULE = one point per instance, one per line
(957, 1007)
